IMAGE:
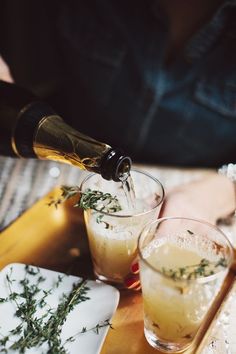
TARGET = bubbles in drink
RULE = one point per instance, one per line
(186, 246)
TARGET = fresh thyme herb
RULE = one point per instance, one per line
(89, 199)
(95, 329)
(34, 331)
(67, 193)
(203, 269)
(97, 200)
(99, 218)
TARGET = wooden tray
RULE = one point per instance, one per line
(56, 239)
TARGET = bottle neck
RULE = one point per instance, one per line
(56, 140)
(115, 165)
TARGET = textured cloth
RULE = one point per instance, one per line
(23, 182)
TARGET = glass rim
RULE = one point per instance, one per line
(201, 221)
(128, 215)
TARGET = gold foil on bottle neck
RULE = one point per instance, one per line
(55, 140)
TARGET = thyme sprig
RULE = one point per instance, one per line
(89, 199)
(67, 192)
(35, 330)
(97, 200)
(94, 329)
(203, 269)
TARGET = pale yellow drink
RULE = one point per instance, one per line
(180, 277)
(113, 242)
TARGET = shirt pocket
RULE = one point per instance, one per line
(102, 47)
(217, 95)
(101, 62)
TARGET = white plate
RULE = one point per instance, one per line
(100, 307)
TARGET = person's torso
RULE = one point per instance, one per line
(115, 86)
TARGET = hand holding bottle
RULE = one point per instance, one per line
(30, 128)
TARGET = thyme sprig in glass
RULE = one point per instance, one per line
(89, 199)
(34, 330)
(97, 200)
(203, 269)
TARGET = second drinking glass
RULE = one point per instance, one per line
(183, 263)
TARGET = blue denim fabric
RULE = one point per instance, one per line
(183, 114)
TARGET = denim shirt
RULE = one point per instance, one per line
(181, 115)
(100, 63)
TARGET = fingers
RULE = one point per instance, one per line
(5, 74)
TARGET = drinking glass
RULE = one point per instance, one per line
(113, 235)
(183, 263)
